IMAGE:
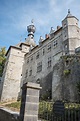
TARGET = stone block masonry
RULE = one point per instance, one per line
(29, 102)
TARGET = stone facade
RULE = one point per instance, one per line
(39, 63)
(66, 75)
(28, 62)
(12, 74)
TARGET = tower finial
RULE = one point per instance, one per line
(68, 11)
(32, 21)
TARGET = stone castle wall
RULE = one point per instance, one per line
(37, 64)
(66, 75)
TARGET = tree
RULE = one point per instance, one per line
(2, 59)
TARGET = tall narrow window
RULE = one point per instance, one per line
(37, 56)
(28, 60)
(66, 49)
(32, 58)
(26, 74)
(30, 72)
(39, 67)
(43, 51)
(55, 43)
(49, 62)
(49, 47)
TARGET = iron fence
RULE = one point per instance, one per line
(71, 112)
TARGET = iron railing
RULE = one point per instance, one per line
(71, 112)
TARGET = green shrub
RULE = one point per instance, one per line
(14, 105)
(67, 72)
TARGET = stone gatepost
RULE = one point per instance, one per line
(29, 102)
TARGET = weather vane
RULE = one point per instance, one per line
(32, 21)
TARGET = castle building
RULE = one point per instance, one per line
(30, 62)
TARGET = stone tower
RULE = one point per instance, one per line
(12, 74)
(71, 34)
(64, 85)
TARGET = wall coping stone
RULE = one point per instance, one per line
(31, 85)
(9, 111)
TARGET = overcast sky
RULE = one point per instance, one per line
(16, 15)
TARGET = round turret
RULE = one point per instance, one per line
(31, 28)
